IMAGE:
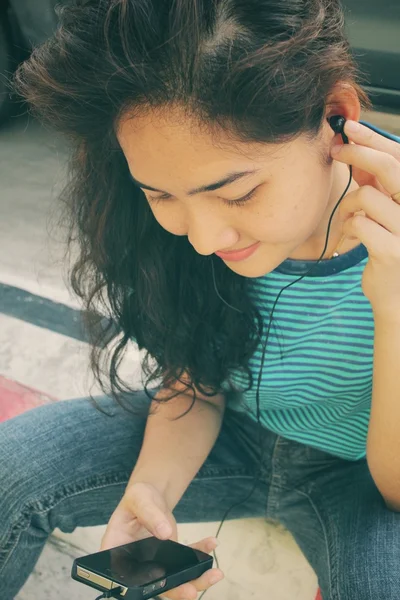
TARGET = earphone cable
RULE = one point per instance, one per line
(260, 428)
(110, 593)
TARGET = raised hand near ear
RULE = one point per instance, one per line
(376, 169)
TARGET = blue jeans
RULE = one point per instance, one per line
(67, 464)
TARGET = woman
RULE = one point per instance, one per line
(204, 173)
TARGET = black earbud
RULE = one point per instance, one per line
(337, 123)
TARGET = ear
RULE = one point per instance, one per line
(343, 100)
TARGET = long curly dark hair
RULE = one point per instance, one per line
(261, 70)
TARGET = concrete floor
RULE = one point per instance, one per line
(254, 555)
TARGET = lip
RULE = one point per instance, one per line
(236, 255)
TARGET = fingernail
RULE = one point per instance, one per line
(163, 529)
(352, 126)
(215, 579)
(336, 149)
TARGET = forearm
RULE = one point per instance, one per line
(174, 449)
(383, 445)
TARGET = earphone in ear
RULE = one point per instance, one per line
(337, 123)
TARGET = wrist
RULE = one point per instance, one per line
(168, 488)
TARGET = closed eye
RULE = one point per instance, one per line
(243, 199)
(237, 202)
(159, 198)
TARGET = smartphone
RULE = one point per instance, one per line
(141, 569)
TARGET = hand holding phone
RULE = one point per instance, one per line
(143, 512)
(140, 570)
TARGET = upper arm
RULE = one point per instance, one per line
(179, 389)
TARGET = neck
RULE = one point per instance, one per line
(313, 247)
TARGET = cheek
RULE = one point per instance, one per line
(275, 228)
(291, 208)
(170, 217)
(286, 215)
(275, 218)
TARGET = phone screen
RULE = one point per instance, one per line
(140, 563)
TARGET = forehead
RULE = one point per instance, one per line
(171, 142)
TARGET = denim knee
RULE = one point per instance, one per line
(23, 473)
(371, 569)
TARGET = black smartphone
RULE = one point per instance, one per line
(141, 569)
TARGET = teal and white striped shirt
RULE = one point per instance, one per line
(316, 384)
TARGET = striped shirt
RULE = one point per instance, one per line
(316, 385)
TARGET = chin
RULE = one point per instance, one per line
(251, 269)
(262, 262)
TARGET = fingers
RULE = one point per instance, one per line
(377, 239)
(189, 591)
(122, 528)
(375, 205)
(208, 579)
(206, 545)
(360, 134)
(371, 153)
(158, 520)
(381, 164)
(141, 512)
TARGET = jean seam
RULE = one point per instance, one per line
(31, 508)
(272, 506)
(334, 594)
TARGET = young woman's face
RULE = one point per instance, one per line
(288, 191)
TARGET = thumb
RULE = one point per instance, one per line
(151, 510)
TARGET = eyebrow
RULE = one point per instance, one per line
(229, 178)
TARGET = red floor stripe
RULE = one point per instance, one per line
(16, 398)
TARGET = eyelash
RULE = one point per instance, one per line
(243, 200)
(237, 202)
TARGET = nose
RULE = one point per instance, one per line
(210, 235)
